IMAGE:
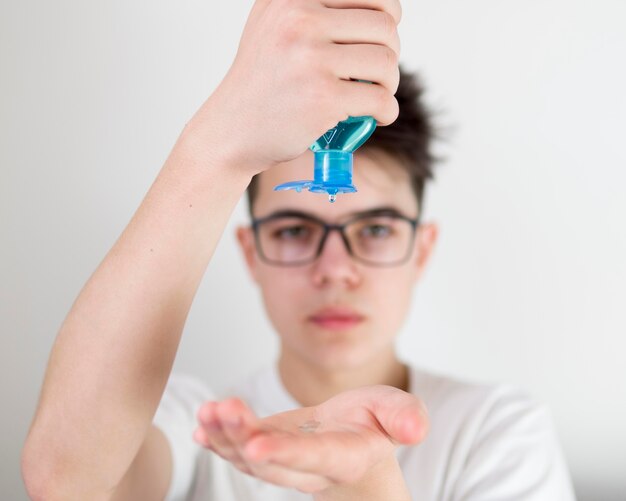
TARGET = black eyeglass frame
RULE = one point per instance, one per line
(327, 228)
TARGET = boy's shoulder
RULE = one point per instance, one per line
(473, 416)
(439, 387)
(470, 399)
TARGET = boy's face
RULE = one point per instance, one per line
(301, 301)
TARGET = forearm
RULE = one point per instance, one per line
(384, 481)
(115, 349)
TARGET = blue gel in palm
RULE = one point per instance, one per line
(332, 173)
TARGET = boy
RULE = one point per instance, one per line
(340, 416)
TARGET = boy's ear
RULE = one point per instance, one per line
(245, 237)
(426, 238)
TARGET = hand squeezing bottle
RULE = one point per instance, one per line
(332, 172)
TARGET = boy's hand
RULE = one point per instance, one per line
(291, 78)
(314, 449)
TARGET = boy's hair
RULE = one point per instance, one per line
(409, 138)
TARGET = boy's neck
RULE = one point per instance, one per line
(312, 384)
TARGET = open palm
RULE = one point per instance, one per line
(313, 448)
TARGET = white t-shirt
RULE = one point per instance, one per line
(486, 443)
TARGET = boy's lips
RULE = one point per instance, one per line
(336, 318)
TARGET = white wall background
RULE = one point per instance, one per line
(527, 285)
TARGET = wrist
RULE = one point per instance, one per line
(199, 160)
(383, 481)
(212, 136)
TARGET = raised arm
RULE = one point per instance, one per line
(91, 436)
(114, 351)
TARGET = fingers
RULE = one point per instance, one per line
(356, 26)
(373, 63)
(225, 427)
(367, 47)
(401, 414)
(392, 7)
(362, 98)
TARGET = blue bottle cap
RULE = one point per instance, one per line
(332, 174)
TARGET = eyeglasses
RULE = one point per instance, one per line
(380, 237)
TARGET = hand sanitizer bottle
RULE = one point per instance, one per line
(332, 172)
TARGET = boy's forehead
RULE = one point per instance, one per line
(380, 181)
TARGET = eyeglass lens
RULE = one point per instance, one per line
(375, 239)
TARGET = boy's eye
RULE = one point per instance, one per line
(376, 231)
(292, 232)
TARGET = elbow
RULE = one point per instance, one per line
(41, 476)
(33, 476)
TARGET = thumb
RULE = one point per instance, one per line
(402, 415)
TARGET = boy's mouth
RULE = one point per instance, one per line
(336, 318)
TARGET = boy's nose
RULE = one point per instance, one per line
(335, 264)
